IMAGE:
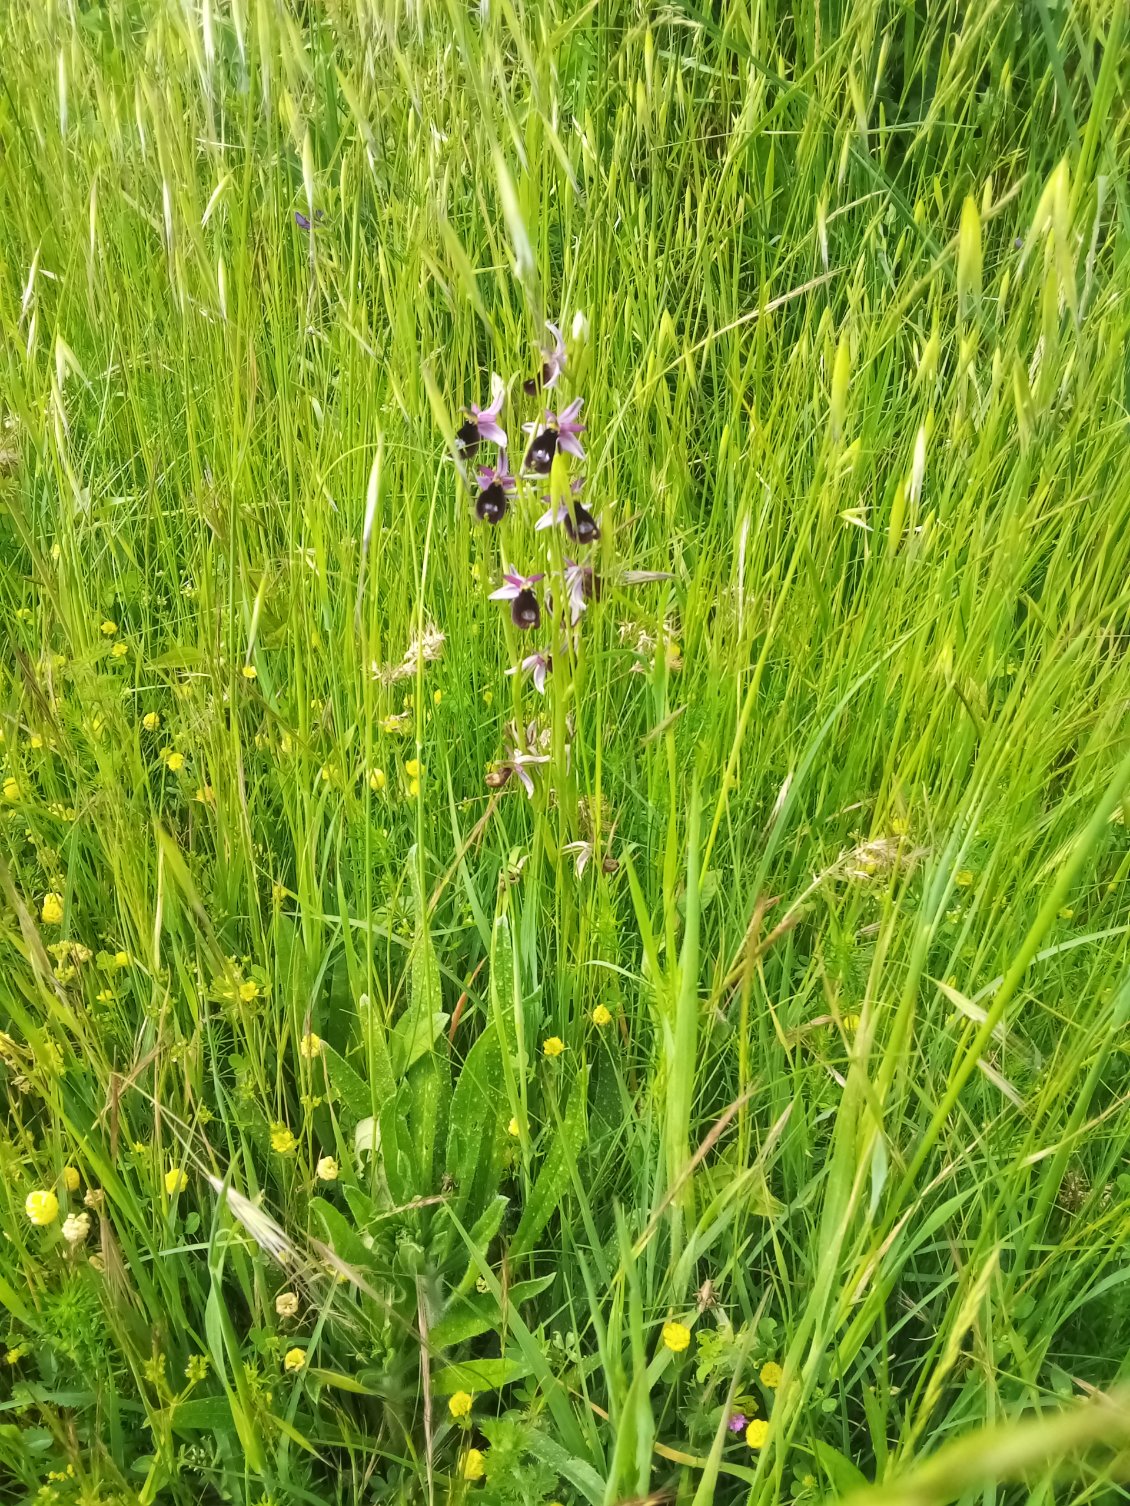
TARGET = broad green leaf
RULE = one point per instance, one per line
(210, 1414)
(467, 1317)
(429, 1098)
(355, 1101)
(554, 1177)
(346, 1242)
(480, 1112)
(412, 1038)
(422, 1022)
(478, 1375)
(480, 1237)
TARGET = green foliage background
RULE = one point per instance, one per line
(849, 785)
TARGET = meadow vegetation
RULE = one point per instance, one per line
(657, 1023)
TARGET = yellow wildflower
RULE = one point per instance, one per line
(601, 1016)
(151, 721)
(42, 1207)
(413, 788)
(286, 1304)
(249, 990)
(175, 1181)
(460, 1404)
(554, 1046)
(377, 780)
(310, 1046)
(174, 761)
(474, 1467)
(676, 1336)
(437, 696)
(71, 1178)
(963, 878)
(282, 1140)
(119, 650)
(11, 790)
(108, 628)
(249, 672)
(412, 767)
(326, 1169)
(488, 697)
(295, 1359)
(513, 1128)
(121, 960)
(52, 911)
(771, 1374)
(850, 1021)
(757, 1432)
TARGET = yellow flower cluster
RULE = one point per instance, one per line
(676, 1336)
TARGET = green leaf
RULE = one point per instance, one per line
(346, 1242)
(478, 1375)
(480, 1237)
(355, 1101)
(554, 1178)
(341, 1382)
(424, 1019)
(412, 1038)
(210, 1414)
(476, 1140)
(429, 1097)
(838, 1467)
(579, 1474)
(467, 1317)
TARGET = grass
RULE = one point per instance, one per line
(830, 830)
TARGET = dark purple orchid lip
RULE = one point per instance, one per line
(580, 524)
(467, 437)
(492, 503)
(539, 457)
(496, 485)
(525, 610)
(556, 431)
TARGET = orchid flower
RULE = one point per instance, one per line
(557, 430)
(519, 763)
(537, 666)
(482, 423)
(525, 609)
(496, 486)
(552, 364)
(579, 523)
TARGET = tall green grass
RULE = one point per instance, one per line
(849, 781)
